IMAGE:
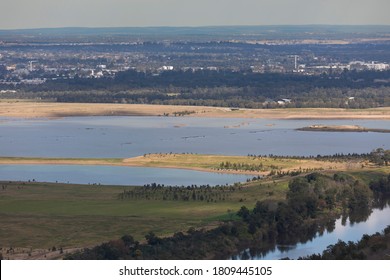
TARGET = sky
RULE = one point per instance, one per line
(21, 14)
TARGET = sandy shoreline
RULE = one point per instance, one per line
(141, 161)
(21, 109)
(124, 162)
(342, 128)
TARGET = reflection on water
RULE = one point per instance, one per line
(346, 228)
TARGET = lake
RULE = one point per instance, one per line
(108, 137)
(115, 175)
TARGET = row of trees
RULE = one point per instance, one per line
(378, 156)
(204, 193)
(244, 166)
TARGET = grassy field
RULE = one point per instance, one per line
(213, 163)
(42, 215)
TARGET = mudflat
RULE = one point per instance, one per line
(208, 163)
(23, 109)
(343, 128)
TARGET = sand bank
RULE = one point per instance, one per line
(23, 109)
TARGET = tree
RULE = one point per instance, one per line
(244, 213)
(287, 220)
(361, 197)
(297, 187)
(152, 239)
(128, 240)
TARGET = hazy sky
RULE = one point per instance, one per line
(127, 13)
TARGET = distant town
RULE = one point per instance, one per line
(28, 60)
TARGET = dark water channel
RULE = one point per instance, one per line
(346, 228)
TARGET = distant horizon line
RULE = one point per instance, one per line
(196, 26)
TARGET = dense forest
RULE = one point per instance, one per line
(312, 204)
(346, 89)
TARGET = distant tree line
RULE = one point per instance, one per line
(243, 89)
(378, 156)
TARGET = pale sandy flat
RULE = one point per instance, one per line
(58, 110)
(207, 163)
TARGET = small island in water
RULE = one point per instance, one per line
(342, 128)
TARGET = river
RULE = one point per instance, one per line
(345, 228)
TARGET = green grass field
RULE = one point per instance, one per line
(42, 215)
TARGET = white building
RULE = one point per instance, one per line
(166, 68)
(360, 65)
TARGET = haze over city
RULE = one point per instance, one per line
(22, 14)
